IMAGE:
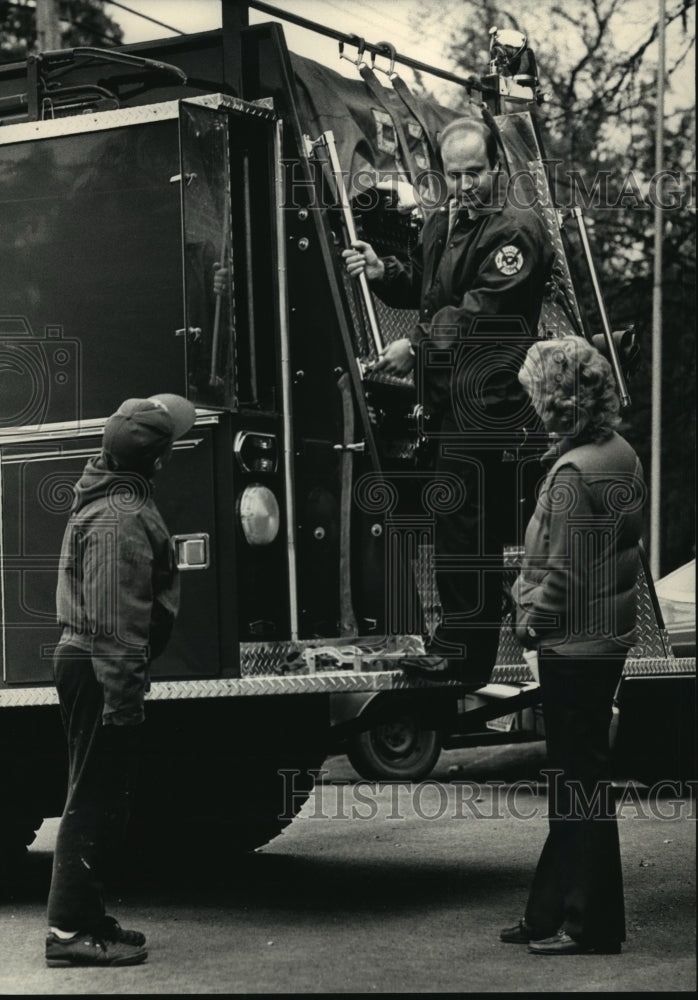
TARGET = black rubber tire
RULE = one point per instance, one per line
(223, 778)
(656, 735)
(396, 749)
(270, 795)
(17, 833)
(33, 770)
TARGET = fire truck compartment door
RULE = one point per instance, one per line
(91, 277)
(36, 484)
(208, 261)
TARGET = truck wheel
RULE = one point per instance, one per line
(207, 826)
(656, 738)
(395, 749)
(16, 835)
(275, 793)
(220, 778)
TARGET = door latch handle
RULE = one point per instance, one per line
(192, 551)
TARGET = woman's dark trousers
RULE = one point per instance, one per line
(578, 883)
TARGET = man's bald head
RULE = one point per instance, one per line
(470, 159)
(468, 131)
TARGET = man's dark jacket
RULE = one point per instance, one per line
(479, 292)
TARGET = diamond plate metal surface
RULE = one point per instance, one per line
(660, 667)
(311, 656)
(651, 639)
(27, 697)
(512, 673)
(125, 117)
(393, 324)
(328, 681)
(277, 658)
(560, 314)
(332, 681)
(373, 664)
(426, 586)
(96, 122)
(652, 653)
(554, 320)
(262, 108)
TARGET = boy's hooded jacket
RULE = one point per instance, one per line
(118, 589)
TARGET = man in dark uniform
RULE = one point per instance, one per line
(478, 277)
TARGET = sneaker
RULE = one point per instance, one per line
(111, 930)
(88, 949)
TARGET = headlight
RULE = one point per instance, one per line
(259, 515)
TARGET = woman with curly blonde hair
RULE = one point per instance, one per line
(576, 606)
(575, 388)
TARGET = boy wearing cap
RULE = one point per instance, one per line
(117, 598)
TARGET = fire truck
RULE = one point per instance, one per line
(131, 181)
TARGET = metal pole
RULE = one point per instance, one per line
(48, 29)
(249, 268)
(341, 36)
(608, 334)
(235, 18)
(328, 139)
(656, 432)
(286, 382)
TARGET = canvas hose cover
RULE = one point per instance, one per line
(363, 133)
(329, 101)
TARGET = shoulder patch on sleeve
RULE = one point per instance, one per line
(509, 260)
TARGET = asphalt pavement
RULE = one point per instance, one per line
(379, 888)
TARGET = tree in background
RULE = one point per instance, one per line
(594, 63)
(83, 22)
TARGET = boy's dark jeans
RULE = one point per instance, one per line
(102, 767)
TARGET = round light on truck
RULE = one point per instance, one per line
(259, 515)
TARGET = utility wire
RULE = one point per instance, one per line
(376, 20)
(145, 16)
(90, 30)
(383, 23)
(351, 39)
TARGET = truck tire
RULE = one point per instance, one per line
(275, 794)
(32, 781)
(17, 833)
(656, 738)
(396, 749)
(223, 777)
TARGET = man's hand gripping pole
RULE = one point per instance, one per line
(326, 142)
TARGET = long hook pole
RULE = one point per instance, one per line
(335, 166)
(656, 424)
(608, 334)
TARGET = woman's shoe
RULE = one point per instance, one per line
(563, 944)
(518, 934)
